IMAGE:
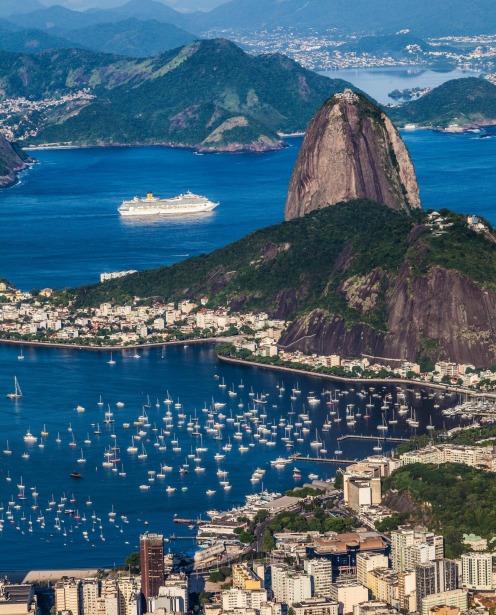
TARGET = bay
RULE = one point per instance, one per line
(56, 381)
(60, 227)
(378, 82)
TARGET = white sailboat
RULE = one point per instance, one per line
(17, 394)
(111, 360)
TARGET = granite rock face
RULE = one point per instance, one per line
(351, 150)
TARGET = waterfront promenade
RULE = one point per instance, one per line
(394, 381)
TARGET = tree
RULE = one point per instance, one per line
(268, 542)
(261, 515)
(338, 480)
(133, 562)
(216, 577)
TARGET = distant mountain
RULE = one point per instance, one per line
(63, 18)
(9, 7)
(179, 5)
(151, 9)
(57, 17)
(468, 101)
(189, 6)
(30, 40)
(423, 17)
(55, 73)
(394, 45)
(130, 37)
(209, 95)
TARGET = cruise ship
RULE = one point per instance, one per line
(188, 203)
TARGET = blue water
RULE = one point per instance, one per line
(380, 81)
(55, 381)
(60, 227)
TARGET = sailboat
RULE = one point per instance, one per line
(111, 360)
(17, 394)
(21, 356)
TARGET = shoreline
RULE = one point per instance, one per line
(220, 340)
(429, 385)
(187, 342)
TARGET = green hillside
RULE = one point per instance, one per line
(353, 278)
(452, 499)
(209, 95)
(297, 255)
(461, 101)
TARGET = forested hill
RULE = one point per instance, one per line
(354, 278)
(464, 101)
(209, 95)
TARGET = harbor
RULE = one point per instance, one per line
(151, 434)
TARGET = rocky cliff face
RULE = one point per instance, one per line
(443, 315)
(351, 150)
(12, 160)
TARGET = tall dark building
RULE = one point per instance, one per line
(434, 577)
(152, 564)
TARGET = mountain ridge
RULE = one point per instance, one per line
(238, 101)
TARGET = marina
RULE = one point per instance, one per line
(96, 453)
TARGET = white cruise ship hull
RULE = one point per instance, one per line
(164, 207)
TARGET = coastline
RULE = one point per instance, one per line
(427, 385)
(186, 342)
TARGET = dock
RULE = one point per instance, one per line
(374, 438)
(298, 458)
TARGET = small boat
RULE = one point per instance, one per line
(21, 356)
(17, 394)
(111, 360)
(75, 475)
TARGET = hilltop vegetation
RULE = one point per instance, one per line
(343, 274)
(461, 101)
(452, 499)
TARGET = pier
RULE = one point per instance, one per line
(381, 438)
(298, 457)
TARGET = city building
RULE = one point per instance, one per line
(477, 571)
(374, 607)
(68, 596)
(236, 598)
(152, 564)
(244, 578)
(342, 549)
(457, 598)
(366, 562)
(348, 593)
(290, 586)
(411, 546)
(435, 577)
(320, 571)
(316, 606)
(18, 600)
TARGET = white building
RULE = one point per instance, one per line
(290, 586)
(348, 593)
(477, 571)
(243, 598)
(320, 571)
